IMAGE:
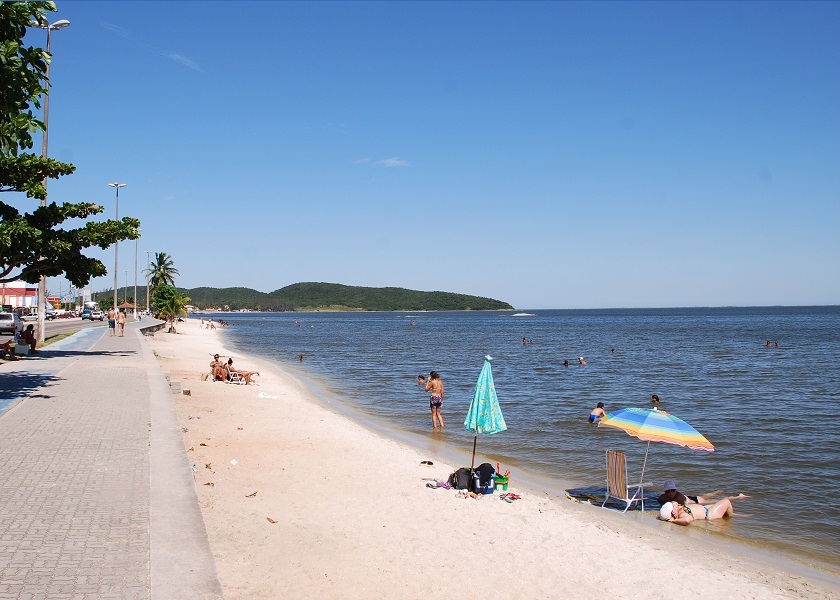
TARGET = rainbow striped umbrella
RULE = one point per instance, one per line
(656, 426)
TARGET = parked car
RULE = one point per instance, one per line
(85, 313)
(97, 315)
(64, 314)
(10, 323)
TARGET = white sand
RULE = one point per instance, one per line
(354, 518)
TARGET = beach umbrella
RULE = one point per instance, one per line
(651, 425)
(484, 414)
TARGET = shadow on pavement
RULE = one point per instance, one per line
(22, 385)
(46, 354)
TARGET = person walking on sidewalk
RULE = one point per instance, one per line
(121, 321)
(112, 321)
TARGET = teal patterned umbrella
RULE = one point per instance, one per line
(484, 415)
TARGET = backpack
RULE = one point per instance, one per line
(460, 479)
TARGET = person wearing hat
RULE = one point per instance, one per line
(679, 514)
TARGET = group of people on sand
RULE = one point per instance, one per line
(222, 371)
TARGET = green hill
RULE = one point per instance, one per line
(333, 296)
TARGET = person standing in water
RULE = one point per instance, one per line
(435, 386)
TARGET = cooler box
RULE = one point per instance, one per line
(488, 489)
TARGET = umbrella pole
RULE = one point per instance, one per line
(644, 465)
(472, 462)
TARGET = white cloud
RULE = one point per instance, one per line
(183, 60)
(392, 162)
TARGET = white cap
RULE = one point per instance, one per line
(665, 511)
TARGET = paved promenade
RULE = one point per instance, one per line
(97, 498)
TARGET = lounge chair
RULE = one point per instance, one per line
(617, 486)
(234, 377)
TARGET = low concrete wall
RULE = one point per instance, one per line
(156, 325)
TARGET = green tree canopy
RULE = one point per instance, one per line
(169, 303)
(37, 243)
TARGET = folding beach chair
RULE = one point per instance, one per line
(617, 486)
(234, 377)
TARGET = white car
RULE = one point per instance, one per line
(10, 323)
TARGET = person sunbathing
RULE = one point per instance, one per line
(217, 369)
(679, 514)
(246, 374)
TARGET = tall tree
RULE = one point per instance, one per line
(35, 244)
(169, 303)
(162, 271)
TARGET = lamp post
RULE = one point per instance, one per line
(117, 244)
(125, 289)
(148, 268)
(42, 282)
(135, 275)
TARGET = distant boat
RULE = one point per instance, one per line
(524, 315)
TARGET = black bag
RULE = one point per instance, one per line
(460, 479)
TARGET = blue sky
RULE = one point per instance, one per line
(550, 154)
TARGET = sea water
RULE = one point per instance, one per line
(769, 411)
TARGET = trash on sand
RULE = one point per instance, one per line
(184, 429)
(270, 520)
(239, 428)
(193, 417)
(202, 444)
(186, 392)
(265, 395)
(251, 495)
(208, 465)
(210, 483)
(234, 462)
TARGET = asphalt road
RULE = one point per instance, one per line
(70, 325)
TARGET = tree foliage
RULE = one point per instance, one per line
(169, 302)
(38, 243)
(161, 271)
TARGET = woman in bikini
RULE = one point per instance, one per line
(435, 386)
(674, 512)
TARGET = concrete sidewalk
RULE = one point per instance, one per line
(97, 498)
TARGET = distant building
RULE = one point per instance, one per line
(18, 294)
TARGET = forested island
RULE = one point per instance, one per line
(335, 297)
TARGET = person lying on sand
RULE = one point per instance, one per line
(246, 374)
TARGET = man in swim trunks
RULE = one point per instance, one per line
(112, 321)
(435, 386)
(597, 413)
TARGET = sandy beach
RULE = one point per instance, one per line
(301, 500)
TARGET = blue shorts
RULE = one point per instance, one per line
(112, 323)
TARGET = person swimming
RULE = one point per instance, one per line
(597, 413)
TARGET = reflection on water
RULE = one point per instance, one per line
(767, 410)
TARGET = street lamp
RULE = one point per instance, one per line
(117, 244)
(135, 274)
(125, 289)
(42, 282)
(148, 268)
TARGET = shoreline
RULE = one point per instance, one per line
(353, 507)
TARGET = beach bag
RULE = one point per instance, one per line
(460, 479)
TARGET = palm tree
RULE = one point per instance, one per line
(162, 270)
